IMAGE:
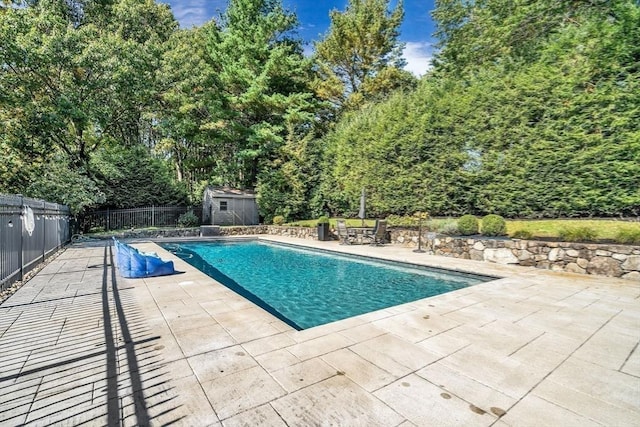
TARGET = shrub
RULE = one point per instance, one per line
(323, 220)
(449, 227)
(494, 225)
(188, 219)
(468, 225)
(278, 220)
(628, 237)
(522, 234)
(578, 234)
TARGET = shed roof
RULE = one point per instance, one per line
(228, 192)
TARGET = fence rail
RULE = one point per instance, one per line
(152, 216)
(30, 230)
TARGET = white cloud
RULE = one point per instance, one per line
(195, 12)
(418, 56)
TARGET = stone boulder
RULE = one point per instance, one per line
(604, 266)
(632, 263)
(500, 256)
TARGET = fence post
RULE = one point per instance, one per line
(44, 229)
(21, 252)
(108, 220)
(153, 215)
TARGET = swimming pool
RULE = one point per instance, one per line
(307, 288)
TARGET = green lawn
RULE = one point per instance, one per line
(604, 228)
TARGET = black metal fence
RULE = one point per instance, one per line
(122, 219)
(30, 230)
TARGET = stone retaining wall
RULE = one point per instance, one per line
(602, 259)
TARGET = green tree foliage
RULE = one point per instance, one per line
(477, 34)
(191, 113)
(72, 85)
(360, 57)
(265, 79)
(75, 76)
(129, 177)
(556, 135)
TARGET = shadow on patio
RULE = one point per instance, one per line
(75, 349)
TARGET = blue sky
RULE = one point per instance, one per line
(416, 31)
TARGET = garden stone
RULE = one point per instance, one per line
(476, 255)
(554, 254)
(500, 256)
(572, 267)
(619, 257)
(573, 253)
(604, 266)
(600, 252)
(478, 246)
(634, 275)
(582, 262)
(632, 263)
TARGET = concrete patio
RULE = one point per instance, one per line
(81, 345)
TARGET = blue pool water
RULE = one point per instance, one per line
(307, 288)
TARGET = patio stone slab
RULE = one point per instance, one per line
(196, 341)
(533, 411)
(242, 390)
(263, 415)
(394, 355)
(359, 370)
(335, 401)
(604, 412)
(216, 364)
(424, 403)
(303, 374)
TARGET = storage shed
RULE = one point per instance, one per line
(228, 206)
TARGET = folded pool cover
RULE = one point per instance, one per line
(133, 264)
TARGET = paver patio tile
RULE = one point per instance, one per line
(610, 347)
(263, 415)
(606, 413)
(631, 366)
(406, 326)
(319, 346)
(216, 306)
(243, 331)
(335, 401)
(466, 388)
(61, 405)
(533, 411)
(219, 363)
(177, 308)
(494, 370)
(200, 320)
(267, 344)
(445, 343)
(394, 355)
(178, 401)
(424, 404)
(196, 341)
(359, 370)
(362, 333)
(604, 384)
(277, 359)
(242, 390)
(303, 374)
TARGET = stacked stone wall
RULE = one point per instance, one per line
(587, 258)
